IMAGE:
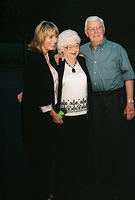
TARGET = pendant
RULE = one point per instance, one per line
(73, 70)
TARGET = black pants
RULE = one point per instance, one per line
(40, 136)
(111, 139)
(75, 171)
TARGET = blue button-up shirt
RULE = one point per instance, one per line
(108, 66)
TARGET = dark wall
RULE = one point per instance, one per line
(19, 18)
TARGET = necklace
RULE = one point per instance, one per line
(72, 67)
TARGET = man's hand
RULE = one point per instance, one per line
(57, 57)
(129, 111)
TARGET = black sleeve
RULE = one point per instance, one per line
(38, 82)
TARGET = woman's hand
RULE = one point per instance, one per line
(55, 117)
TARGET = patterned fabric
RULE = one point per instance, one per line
(75, 105)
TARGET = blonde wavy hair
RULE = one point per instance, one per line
(42, 30)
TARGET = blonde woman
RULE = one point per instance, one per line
(39, 115)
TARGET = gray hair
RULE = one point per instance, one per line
(93, 18)
(63, 36)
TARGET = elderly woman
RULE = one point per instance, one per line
(39, 116)
(75, 158)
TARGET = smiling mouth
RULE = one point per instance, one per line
(73, 54)
(53, 45)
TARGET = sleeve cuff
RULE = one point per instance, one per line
(45, 109)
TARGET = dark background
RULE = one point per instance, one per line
(18, 19)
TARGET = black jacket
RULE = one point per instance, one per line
(38, 81)
(38, 91)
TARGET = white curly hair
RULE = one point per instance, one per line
(65, 35)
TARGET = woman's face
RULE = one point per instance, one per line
(49, 43)
(71, 48)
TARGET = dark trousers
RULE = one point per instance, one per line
(111, 140)
(75, 170)
(40, 136)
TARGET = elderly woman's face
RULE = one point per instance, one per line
(71, 48)
(49, 43)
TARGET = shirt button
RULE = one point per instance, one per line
(95, 61)
(95, 72)
(94, 83)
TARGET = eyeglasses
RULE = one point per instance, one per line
(92, 29)
(71, 47)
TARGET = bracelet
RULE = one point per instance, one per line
(131, 101)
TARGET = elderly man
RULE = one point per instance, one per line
(112, 83)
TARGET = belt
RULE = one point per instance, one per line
(108, 92)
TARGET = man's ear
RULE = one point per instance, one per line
(104, 29)
(86, 33)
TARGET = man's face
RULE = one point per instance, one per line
(95, 32)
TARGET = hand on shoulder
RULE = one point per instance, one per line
(57, 57)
